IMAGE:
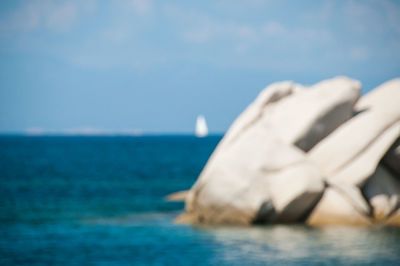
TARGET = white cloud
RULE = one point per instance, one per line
(366, 17)
(244, 31)
(358, 13)
(274, 28)
(55, 16)
(117, 35)
(244, 36)
(62, 17)
(201, 29)
(392, 10)
(200, 34)
(359, 53)
(337, 31)
(142, 6)
(26, 17)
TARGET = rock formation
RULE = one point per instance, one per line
(318, 154)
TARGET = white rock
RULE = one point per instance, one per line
(294, 191)
(256, 163)
(177, 196)
(336, 209)
(380, 111)
(354, 196)
(394, 219)
(249, 118)
(363, 166)
(385, 97)
(301, 115)
(258, 174)
(298, 115)
(382, 190)
(392, 158)
(310, 114)
(239, 182)
(383, 206)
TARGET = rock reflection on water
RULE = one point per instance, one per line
(155, 232)
(296, 243)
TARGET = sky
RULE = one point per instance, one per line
(148, 66)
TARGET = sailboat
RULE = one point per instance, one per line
(201, 127)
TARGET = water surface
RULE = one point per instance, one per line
(100, 201)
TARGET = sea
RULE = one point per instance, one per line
(100, 200)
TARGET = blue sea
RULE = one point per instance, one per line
(100, 201)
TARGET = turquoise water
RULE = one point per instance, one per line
(99, 201)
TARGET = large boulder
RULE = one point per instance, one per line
(351, 153)
(298, 115)
(257, 173)
(309, 153)
(250, 182)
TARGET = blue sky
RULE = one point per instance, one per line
(152, 66)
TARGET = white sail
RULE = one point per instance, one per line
(201, 127)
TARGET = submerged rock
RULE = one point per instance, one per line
(177, 196)
(303, 153)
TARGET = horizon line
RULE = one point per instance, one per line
(104, 134)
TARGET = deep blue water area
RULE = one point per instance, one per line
(100, 201)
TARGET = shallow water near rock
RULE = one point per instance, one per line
(100, 201)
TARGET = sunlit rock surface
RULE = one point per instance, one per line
(336, 209)
(305, 154)
(352, 152)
